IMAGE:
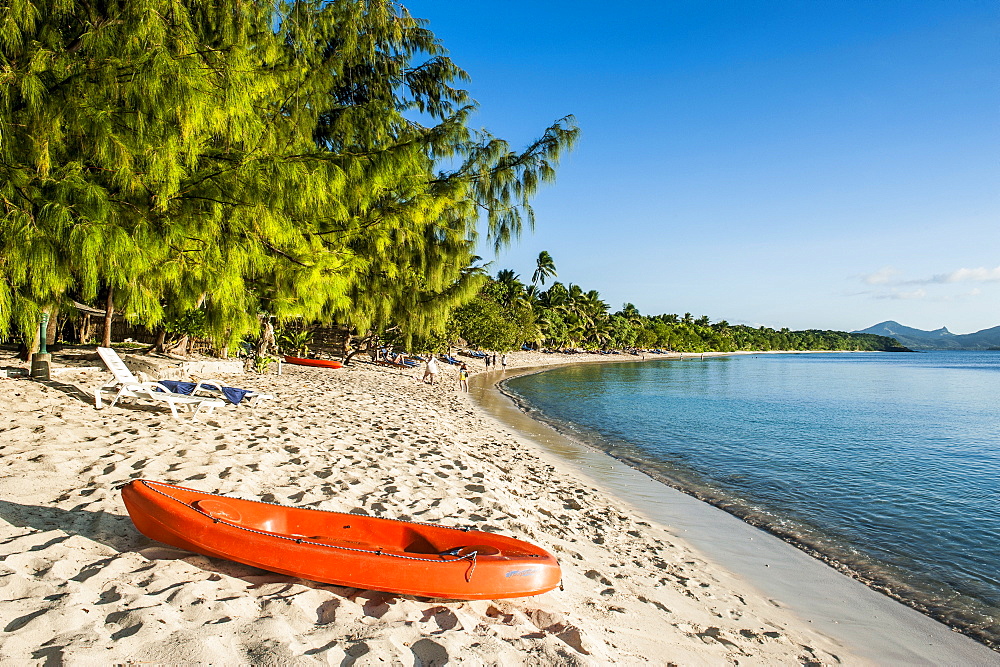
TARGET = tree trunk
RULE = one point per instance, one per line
(346, 347)
(53, 329)
(179, 346)
(266, 342)
(161, 338)
(109, 313)
(30, 346)
(84, 328)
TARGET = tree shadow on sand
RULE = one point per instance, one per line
(113, 530)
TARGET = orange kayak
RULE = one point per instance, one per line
(343, 549)
(321, 363)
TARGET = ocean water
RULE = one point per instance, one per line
(885, 465)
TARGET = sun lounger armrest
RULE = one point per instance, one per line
(209, 385)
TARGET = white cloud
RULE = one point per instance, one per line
(971, 294)
(920, 293)
(980, 275)
(888, 277)
(903, 295)
(883, 276)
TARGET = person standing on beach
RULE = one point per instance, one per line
(503, 361)
(487, 362)
(494, 361)
(463, 378)
(431, 370)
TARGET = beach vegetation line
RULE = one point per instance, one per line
(507, 314)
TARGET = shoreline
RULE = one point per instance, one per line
(81, 585)
(807, 587)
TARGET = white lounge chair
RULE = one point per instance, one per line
(129, 386)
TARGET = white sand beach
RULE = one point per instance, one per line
(81, 586)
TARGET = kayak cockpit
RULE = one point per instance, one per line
(339, 530)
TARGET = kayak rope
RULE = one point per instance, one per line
(472, 566)
(469, 557)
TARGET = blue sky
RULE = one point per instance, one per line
(794, 164)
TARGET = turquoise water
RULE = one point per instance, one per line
(886, 465)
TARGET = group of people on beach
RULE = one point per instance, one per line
(431, 370)
(503, 361)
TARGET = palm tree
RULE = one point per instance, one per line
(594, 306)
(629, 312)
(577, 328)
(556, 296)
(511, 289)
(545, 267)
(601, 333)
(533, 296)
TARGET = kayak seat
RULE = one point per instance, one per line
(218, 509)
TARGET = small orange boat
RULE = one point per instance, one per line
(320, 363)
(343, 549)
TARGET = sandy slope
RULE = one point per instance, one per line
(78, 583)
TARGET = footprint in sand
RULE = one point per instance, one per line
(356, 651)
(427, 653)
(378, 605)
(445, 618)
(597, 576)
(327, 612)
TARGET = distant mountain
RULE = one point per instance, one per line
(939, 339)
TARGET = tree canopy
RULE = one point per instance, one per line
(307, 160)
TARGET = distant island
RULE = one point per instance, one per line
(939, 339)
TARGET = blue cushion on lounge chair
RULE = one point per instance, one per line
(231, 394)
(177, 386)
(234, 395)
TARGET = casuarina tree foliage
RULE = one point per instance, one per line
(307, 160)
